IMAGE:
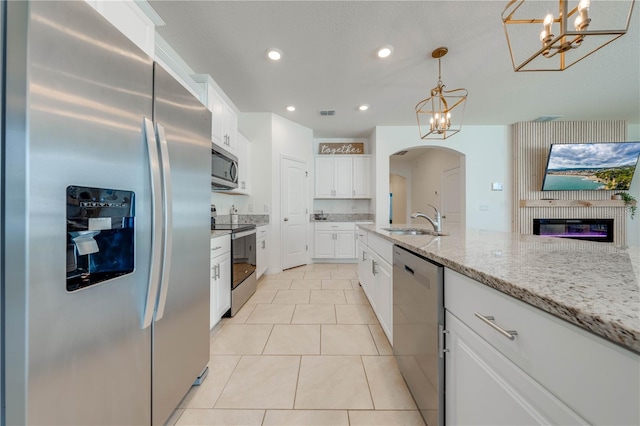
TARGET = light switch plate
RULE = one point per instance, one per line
(496, 186)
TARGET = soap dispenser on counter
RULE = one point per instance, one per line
(234, 215)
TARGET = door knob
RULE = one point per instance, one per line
(286, 219)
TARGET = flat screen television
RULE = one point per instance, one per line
(591, 166)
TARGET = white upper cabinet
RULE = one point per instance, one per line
(342, 176)
(224, 119)
(244, 165)
(361, 177)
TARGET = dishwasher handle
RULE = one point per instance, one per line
(409, 270)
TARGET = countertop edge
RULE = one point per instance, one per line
(609, 330)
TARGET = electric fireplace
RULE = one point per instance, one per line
(580, 229)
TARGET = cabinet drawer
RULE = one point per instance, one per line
(381, 246)
(220, 245)
(596, 378)
(362, 236)
(335, 226)
(262, 231)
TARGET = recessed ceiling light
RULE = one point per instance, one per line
(274, 54)
(385, 51)
(291, 108)
(363, 107)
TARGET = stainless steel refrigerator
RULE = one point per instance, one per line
(105, 224)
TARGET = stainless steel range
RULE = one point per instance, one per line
(243, 260)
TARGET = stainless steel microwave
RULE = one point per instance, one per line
(224, 169)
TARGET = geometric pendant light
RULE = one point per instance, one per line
(440, 115)
(553, 35)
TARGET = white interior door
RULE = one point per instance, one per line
(398, 190)
(295, 217)
(451, 200)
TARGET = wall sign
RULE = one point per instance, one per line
(347, 148)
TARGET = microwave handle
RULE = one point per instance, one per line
(233, 170)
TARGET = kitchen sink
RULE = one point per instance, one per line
(412, 231)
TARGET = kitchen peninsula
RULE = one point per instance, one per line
(558, 342)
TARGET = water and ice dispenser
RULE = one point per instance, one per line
(100, 235)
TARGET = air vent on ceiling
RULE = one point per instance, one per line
(546, 118)
(328, 112)
(401, 153)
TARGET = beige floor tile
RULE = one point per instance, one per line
(291, 296)
(306, 418)
(332, 383)
(380, 339)
(279, 284)
(239, 339)
(348, 266)
(262, 295)
(387, 386)
(336, 284)
(325, 267)
(291, 274)
(385, 418)
(328, 296)
(317, 275)
(241, 316)
(210, 417)
(356, 284)
(306, 284)
(261, 382)
(314, 314)
(342, 274)
(175, 416)
(205, 395)
(356, 297)
(271, 314)
(293, 340)
(355, 314)
(267, 277)
(346, 340)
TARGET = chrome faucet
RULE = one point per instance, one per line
(437, 223)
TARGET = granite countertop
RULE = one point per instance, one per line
(593, 285)
(219, 233)
(341, 217)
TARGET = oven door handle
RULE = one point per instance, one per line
(236, 235)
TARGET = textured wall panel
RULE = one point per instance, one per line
(531, 147)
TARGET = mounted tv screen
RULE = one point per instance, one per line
(591, 166)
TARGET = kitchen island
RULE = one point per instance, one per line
(536, 330)
(595, 286)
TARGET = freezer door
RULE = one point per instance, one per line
(181, 327)
(77, 92)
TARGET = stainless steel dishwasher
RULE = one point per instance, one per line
(418, 323)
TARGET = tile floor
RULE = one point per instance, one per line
(306, 349)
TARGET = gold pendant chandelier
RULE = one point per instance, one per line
(437, 109)
(538, 40)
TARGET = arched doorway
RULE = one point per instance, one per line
(432, 176)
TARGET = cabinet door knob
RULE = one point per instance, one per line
(286, 219)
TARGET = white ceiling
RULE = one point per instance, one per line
(329, 62)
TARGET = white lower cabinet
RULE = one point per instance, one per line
(262, 258)
(375, 273)
(483, 387)
(220, 278)
(334, 240)
(548, 372)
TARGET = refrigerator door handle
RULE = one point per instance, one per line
(156, 223)
(167, 197)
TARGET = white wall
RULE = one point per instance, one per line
(426, 179)
(487, 151)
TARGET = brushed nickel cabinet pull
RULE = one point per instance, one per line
(509, 334)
